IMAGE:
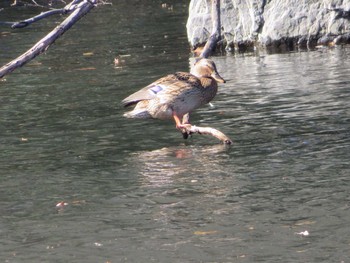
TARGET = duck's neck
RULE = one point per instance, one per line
(208, 82)
(210, 87)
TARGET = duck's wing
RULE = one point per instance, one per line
(171, 83)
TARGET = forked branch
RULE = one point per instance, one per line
(78, 11)
(216, 30)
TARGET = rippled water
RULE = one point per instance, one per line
(136, 191)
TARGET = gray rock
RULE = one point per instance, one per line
(283, 24)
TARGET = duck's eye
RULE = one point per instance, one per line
(209, 66)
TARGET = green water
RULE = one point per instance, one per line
(136, 191)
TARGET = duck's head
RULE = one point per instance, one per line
(206, 68)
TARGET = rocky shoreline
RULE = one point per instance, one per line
(277, 25)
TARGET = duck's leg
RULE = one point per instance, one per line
(178, 122)
(186, 119)
(181, 125)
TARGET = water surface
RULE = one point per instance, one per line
(136, 191)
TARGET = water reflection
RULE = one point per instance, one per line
(176, 182)
(171, 165)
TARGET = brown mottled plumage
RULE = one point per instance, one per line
(177, 94)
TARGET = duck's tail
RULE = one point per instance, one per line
(138, 114)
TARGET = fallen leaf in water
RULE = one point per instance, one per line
(198, 51)
(303, 233)
(167, 6)
(302, 251)
(88, 68)
(78, 202)
(202, 233)
(88, 54)
(305, 222)
(119, 61)
(35, 63)
(61, 204)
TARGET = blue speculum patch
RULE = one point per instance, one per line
(156, 89)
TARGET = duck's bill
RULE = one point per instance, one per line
(218, 78)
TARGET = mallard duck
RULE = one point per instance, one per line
(175, 95)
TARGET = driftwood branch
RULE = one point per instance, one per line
(32, 3)
(216, 30)
(31, 20)
(190, 129)
(80, 10)
(63, 11)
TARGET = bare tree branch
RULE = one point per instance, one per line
(35, 3)
(190, 129)
(62, 11)
(80, 10)
(43, 15)
(216, 30)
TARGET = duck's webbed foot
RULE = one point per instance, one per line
(186, 120)
(187, 129)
